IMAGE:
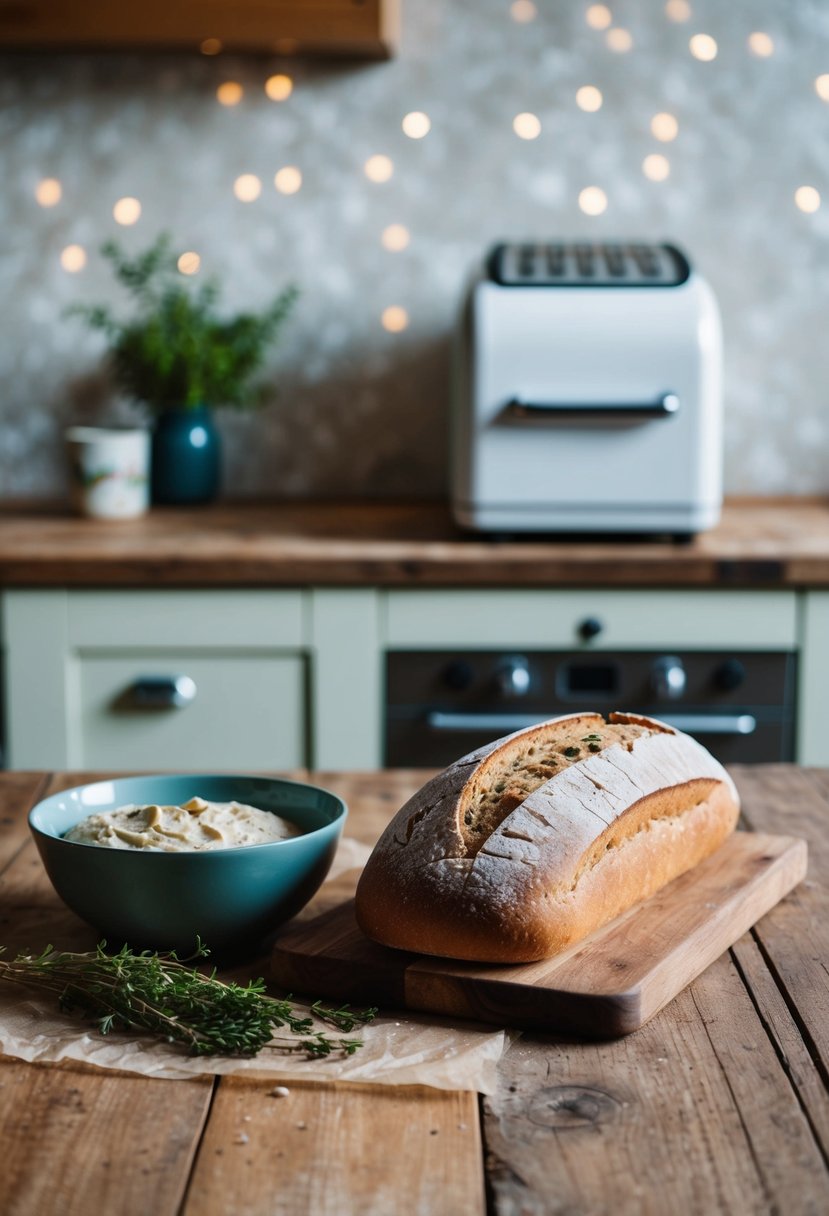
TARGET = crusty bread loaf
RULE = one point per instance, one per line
(530, 843)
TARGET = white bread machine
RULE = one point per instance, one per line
(588, 393)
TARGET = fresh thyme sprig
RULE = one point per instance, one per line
(159, 995)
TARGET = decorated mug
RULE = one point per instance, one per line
(109, 471)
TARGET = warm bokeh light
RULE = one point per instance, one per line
(656, 167)
(598, 17)
(247, 187)
(288, 180)
(279, 87)
(127, 211)
(704, 47)
(49, 192)
(593, 200)
(806, 198)
(822, 87)
(416, 125)
(526, 126)
(229, 93)
(589, 98)
(189, 262)
(73, 258)
(619, 40)
(760, 44)
(378, 168)
(664, 127)
(395, 237)
(678, 10)
(394, 319)
(523, 11)
(211, 46)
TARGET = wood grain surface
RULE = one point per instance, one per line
(720, 1104)
(759, 543)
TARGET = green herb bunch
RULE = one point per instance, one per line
(178, 352)
(157, 994)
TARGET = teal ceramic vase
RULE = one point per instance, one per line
(186, 456)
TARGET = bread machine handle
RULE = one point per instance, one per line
(519, 410)
(693, 724)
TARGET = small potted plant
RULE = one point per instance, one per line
(180, 359)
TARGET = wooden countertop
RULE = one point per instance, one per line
(759, 543)
(719, 1105)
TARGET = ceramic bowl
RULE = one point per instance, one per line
(234, 899)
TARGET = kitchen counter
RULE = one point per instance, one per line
(719, 1105)
(759, 543)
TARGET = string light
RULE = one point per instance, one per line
(49, 192)
(247, 188)
(523, 11)
(416, 125)
(395, 237)
(589, 98)
(619, 40)
(760, 44)
(73, 258)
(394, 319)
(378, 168)
(822, 87)
(189, 262)
(279, 87)
(211, 46)
(678, 10)
(598, 17)
(664, 127)
(704, 47)
(526, 126)
(288, 180)
(229, 93)
(127, 211)
(807, 198)
(593, 200)
(656, 167)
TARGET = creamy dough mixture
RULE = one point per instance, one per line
(195, 825)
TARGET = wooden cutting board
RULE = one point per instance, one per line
(607, 985)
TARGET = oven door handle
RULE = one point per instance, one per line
(694, 724)
(522, 411)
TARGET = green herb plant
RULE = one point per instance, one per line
(177, 351)
(159, 995)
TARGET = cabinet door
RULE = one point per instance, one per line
(247, 712)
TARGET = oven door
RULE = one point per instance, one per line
(440, 705)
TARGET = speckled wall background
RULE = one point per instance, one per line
(737, 173)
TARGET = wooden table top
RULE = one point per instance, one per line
(719, 1105)
(760, 542)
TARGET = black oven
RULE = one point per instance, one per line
(440, 705)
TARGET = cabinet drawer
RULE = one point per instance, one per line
(626, 619)
(248, 711)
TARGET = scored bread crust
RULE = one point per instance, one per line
(600, 835)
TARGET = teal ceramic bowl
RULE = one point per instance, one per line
(233, 899)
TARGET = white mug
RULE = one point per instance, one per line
(109, 470)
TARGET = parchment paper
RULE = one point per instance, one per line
(409, 1050)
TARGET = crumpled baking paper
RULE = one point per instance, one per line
(405, 1050)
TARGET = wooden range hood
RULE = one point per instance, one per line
(288, 27)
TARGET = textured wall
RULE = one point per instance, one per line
(361, 410)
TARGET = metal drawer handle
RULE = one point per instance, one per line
(161, 692)
(519, 410)
(694, 724)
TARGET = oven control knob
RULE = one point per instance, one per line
(458, 675)
(668, 678)
(512, 677)
(729, 675)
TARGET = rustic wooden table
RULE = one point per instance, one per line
(719, 1105)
